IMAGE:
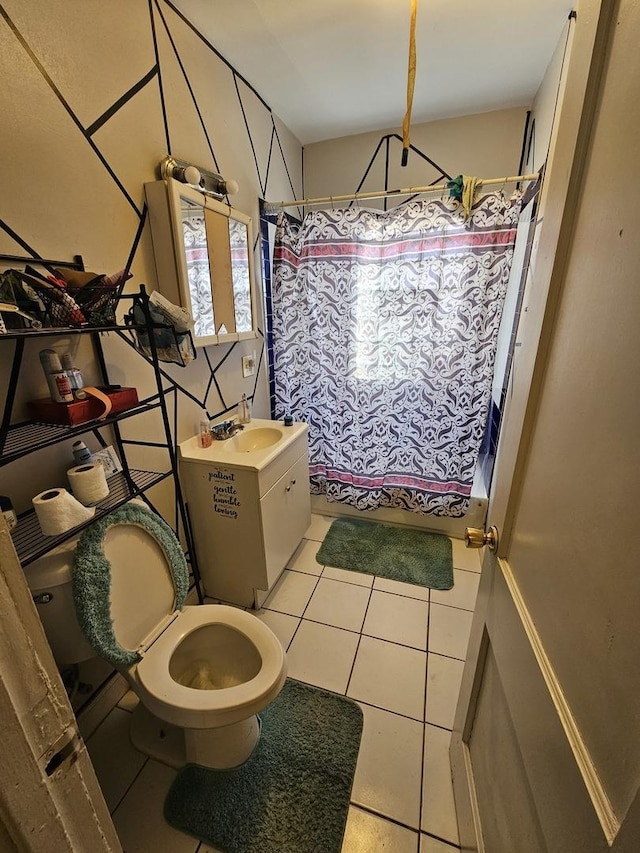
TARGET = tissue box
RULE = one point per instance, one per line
(80, 411)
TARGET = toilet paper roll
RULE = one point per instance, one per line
(88, 483)
(58, 511)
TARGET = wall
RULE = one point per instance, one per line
(543, 111)
(94, 95)
(536, 149)
(486, 145)
(543, 108)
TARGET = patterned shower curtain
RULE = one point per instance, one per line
(384, 336)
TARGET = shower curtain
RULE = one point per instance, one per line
(384, 335)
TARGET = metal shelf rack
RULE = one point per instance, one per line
(18, 440)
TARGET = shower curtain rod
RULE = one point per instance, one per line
(330, 199)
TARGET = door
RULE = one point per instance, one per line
(286, 514)
(546, 749)
(49, 796)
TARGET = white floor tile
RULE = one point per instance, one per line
(388, 671)
(115, 760)
(358, 578)
(322, 655)
(304, 558)
(411, 590)
(438, 806)
(389, 676)
(292, 593)
(282, 625)
(466, 558)
(388, 773)
(449, 630)
(93, 673)
(397, 619)
(319, 527)
(367, 833)
(129, 701)
(139, 821)
(432, 845)
(342, 605)
(443, 686)
(464, 591)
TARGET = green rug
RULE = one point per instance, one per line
(395, 553)
(292, 795)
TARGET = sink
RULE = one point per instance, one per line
(254, 448)
(254, 439)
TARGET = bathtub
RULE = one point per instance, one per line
(454, 527)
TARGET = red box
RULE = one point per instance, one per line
(80, 411)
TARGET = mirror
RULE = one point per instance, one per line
(208, 268)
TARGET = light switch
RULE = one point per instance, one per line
(248, 365)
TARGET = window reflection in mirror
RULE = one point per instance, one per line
(197, 257)
(240, 275)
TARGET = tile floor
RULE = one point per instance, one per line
(395, 648)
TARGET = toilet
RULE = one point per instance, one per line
(202, 673)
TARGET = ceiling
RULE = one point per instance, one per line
(331, 68)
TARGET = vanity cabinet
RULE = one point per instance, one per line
(248, 514)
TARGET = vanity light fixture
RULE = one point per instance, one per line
(210, 183)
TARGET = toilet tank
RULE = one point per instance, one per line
(49, 580)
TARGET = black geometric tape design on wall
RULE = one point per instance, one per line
(155, 73)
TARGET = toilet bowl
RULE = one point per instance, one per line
(202, 673)
(210, 673)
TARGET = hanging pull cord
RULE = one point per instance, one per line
(411, 81)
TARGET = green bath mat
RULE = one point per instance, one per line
(395, 553)
(292, 795)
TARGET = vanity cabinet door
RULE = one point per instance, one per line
(286, 515)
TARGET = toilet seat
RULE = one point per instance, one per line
(151, 582)
(191, 708)
(130, 580)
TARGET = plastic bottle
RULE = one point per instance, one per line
(205, 438)
(244, 410)
(57, 379)
(73, 374)
(81, 452)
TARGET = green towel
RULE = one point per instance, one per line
(463, 189)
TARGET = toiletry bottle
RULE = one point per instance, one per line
(73, 374)
(205, 439)
(244, 410)
(57, 379)
(81, 452)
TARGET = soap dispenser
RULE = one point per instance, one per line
(244, 410)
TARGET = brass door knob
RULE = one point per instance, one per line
(475, 537)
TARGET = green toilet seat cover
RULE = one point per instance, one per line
(92, 577)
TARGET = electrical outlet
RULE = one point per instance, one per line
(248, 365)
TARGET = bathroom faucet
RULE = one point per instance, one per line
(225, 430)
(234, 428)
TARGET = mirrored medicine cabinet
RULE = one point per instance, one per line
(203, 253)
